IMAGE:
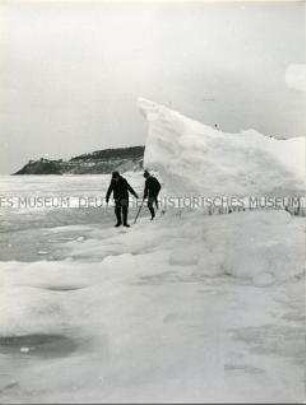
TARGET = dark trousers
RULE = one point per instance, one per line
(121, 207)
(151, 201)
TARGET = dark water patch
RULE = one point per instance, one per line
(243, 368)
(159, 278)
(8, 387)
(62, 288)
(38, 345)
(172, 277)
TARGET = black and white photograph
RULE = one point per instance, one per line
(152, 201)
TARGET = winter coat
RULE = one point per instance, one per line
(120, 189)
(152, 187)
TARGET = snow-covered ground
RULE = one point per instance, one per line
(189, 308)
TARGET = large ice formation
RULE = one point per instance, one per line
(196, 158)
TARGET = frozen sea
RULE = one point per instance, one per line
(191, 307)
(34, 206)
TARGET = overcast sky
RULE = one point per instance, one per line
(71, 72)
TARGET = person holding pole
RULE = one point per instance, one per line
(151, 191)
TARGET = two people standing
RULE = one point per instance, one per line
(121, 189)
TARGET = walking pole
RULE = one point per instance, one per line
(137, 215)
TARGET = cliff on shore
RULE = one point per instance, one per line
(99, 162)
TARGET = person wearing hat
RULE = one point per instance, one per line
(120, 189)
(151, 191)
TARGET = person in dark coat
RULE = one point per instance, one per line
(151, 191)
(120, 189)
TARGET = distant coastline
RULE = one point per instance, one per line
(99, 162)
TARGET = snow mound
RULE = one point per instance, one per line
(181, 310)
(195, 158)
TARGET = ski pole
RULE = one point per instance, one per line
(137, 215)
